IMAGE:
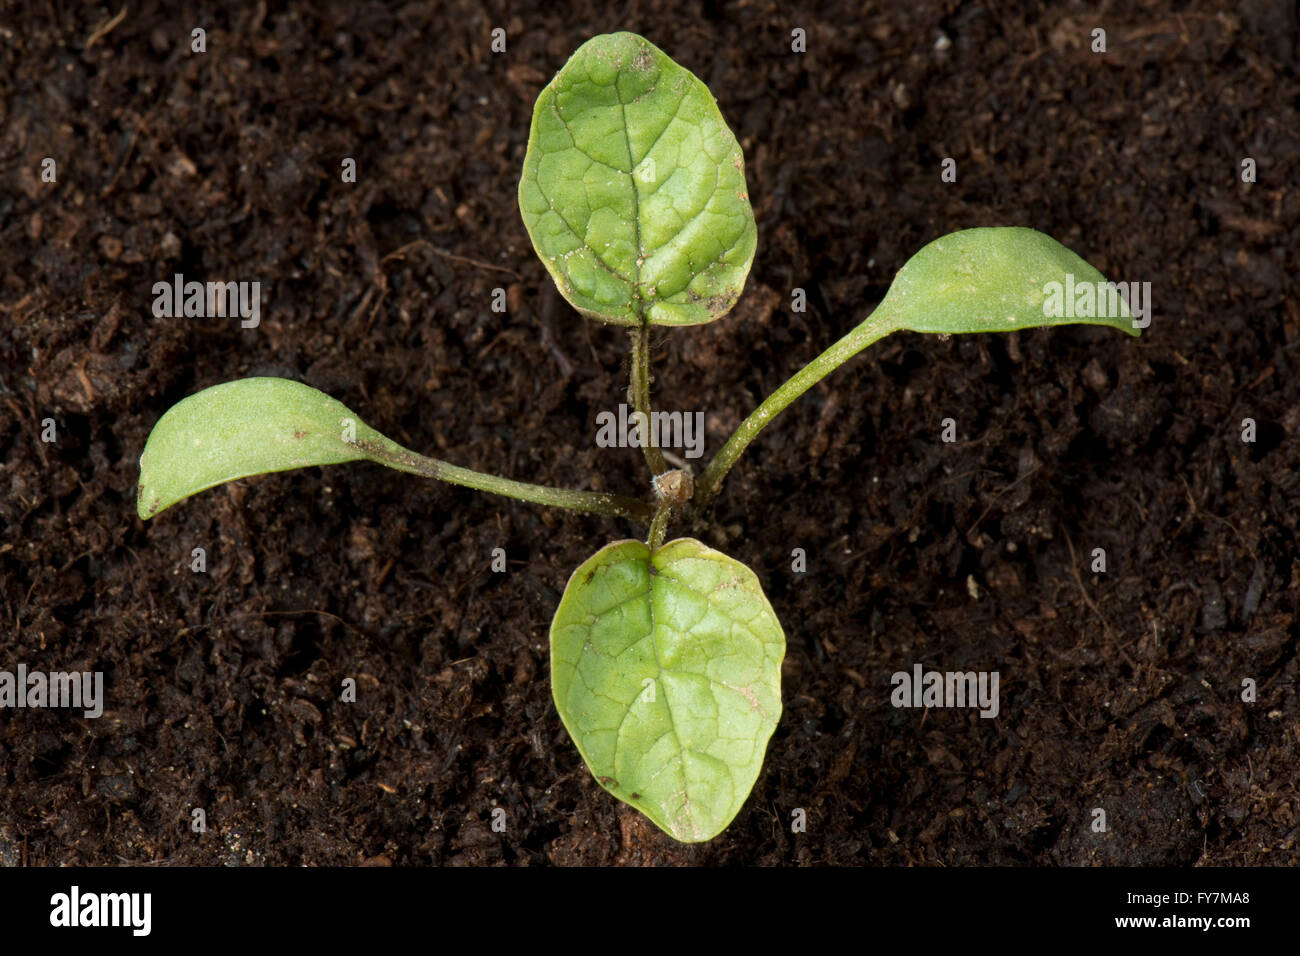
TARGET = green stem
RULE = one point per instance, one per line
(876, 327)
(640, 394)
(393, 455)
(659, 527)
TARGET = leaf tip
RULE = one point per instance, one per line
(146, 503)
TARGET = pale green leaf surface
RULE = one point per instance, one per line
(633, 189)
(993, 280)
(666, 671)
(248, 427)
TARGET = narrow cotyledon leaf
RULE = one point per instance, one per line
(260, 425)
(247, 427)
(988, 279)
(999, 279)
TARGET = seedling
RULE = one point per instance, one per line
(665, 657)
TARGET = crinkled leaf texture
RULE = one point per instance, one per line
(666, 670)
(994, 280)
(248, 427)
(633, 189)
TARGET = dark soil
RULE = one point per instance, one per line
(1120, 691)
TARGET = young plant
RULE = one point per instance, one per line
(665, 657)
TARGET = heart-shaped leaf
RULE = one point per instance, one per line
(247, 427)
(999, 280)
(666, 670)
(633, 189)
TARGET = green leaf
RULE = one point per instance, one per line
(633, 189)
(249, 427)
(666, 670)
(998, 280)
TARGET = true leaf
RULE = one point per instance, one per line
(666, 671)
(633, 189)
(248, 427)
(996, 280)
